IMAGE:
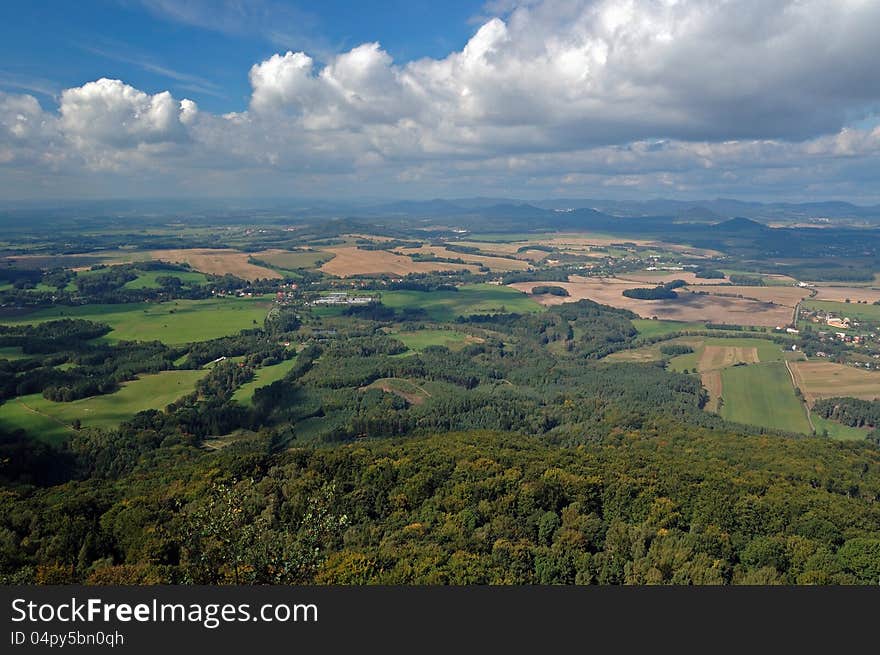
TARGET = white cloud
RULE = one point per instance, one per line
(108, 112)
(667, 94)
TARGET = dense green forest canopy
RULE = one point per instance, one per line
(669, 504)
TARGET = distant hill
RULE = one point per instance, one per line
(740, 225)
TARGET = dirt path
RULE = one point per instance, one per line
(711, 380)
(805, 403)
(39, 413)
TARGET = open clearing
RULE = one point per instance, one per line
(688, 307)
(216, 261)
(762, 395)
(263, 377)
(175, 322)
(349, 260)
(409, 391)
(12, 352)
(837, 431)
(492, 263)
(469, 299)
(421, 339)
(787, 296)
(649, 328)
(52, 421)
(293, 259)
(819, 380)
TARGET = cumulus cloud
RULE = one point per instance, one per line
(108, 112)
(653, 94)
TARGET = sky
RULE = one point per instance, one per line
(528, 99)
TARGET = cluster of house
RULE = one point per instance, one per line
(343, 298)
(846, 338)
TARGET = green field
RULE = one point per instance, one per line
(50, 421)
(837, 431)
(12, 352)
(762, 395)
(767, 351)
(469, 299)
(853, 310)
(421, 339)
(263, 377)
(768, 280)
(687, 362)
(648, 328)
(178, 321)
(147, 279)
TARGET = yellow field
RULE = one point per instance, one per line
(216, 261)
(819, 380)
(662, 277)
(492, 263)
(350, 260)
(688, 307)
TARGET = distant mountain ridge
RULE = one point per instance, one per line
(698, 211)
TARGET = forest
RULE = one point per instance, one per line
(518, 457)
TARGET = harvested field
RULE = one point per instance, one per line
(492, 263)
(353, 261)
(840, 294)
(788, 296)
(216, 261)
(715, 357)
(662, 277)
(819, 380)
(687, 307)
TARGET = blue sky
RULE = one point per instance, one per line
(197, 53)
(519, 98)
